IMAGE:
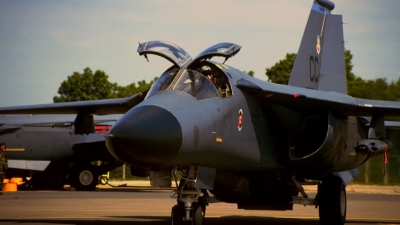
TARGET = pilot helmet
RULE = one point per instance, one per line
(205, 70)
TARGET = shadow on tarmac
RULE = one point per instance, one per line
(134, 189)
(146, 220)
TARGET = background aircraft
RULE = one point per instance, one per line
(47, 149)
(244, 140)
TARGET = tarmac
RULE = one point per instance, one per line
(352, 188)
(374, 189)
(136, 202)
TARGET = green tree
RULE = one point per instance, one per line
(134, 88)
(355, 85)
(393, 91)
(86, 86)
(250, 73)
(280, 72)
(349, 66)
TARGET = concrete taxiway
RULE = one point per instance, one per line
(138, 204)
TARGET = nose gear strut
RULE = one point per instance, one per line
(191, 206)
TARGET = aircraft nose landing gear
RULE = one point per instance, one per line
(182, 213)
(190, 208)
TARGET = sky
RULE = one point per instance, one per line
(43, 42)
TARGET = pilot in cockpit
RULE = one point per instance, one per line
(206, 71)
(223, 89)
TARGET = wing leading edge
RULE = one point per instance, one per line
(98, 107)
(307, 100)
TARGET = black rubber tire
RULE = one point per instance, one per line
(332, 201)
(84, 178)
(198, 214)
(177, 215)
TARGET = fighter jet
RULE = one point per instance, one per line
(46, 149)
(238, 139)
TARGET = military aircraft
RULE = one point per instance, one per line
(238, 139)
(46, 149)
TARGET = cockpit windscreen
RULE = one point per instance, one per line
(163, 82)
(196, 85)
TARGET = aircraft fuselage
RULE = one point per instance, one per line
(242, 132)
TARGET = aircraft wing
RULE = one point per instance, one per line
(88, 139)
(392, 125)
(310, 101)
(8, 129)
(36, 165)
(99, 107)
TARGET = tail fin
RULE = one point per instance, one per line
(320, 61)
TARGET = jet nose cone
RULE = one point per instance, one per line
(145, 136)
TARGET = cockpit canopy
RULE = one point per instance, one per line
(185, 75)
(224, 49)
(169, 51)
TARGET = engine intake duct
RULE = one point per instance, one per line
(373, 146)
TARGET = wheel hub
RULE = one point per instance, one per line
(86, 177)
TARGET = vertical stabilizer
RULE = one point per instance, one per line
(320, 61)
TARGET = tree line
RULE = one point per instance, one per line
(95, 86)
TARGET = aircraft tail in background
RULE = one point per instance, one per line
(320, 61)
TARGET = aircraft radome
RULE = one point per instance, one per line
(238, 139)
